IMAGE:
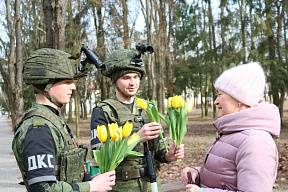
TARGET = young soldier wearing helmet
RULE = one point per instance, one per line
(125, 69)
(45, 148)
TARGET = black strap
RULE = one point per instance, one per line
(75, 186)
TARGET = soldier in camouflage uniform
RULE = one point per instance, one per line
(45, 148)
(125, 70)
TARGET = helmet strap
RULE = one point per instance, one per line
(127, 96)
(53, 100)
(45, 92)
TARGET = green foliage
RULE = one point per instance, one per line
(28, 96)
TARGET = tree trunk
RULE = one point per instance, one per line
(70, 111)
(251, 27)
(59, 24)
(201, 97)
(280, 15)
(271, 50)
(149, 67)
(223, 42)
(285, 24)
(125, 25)
(13, 77)
(84, 110)
(241, 7)
(36, 38)
(159, 57)
(76, 100)
(214, 68)
(48, 16)
(19, 63)
(206, 95)
(100, 42)
(169, 73)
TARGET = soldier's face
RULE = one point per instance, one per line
(129, 83)
(62, 90)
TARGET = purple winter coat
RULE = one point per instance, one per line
(244, 156)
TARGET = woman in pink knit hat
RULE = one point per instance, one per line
(244, 156)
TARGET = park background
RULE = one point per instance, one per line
(194, 41)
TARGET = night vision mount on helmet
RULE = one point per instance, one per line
(91, 57)
(125, 59)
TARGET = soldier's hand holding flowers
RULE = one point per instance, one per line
(149, 131)
(177, 113)
(103, 182)
(115, 146)
(153, 129)
(175, 153)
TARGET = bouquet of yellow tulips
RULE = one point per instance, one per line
(114, 145)
(177, 113)
(152, 113)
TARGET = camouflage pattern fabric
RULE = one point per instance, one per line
(117, 74)
(136, 185)
(45, 64)
(68, 164)
(123, 59)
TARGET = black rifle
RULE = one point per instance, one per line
(149, 160)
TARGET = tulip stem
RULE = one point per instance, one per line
(161, 136)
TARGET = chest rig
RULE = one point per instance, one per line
(133, 166)
(69, 159)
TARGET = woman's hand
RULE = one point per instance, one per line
(149, 131)
(173, 154)
(184, 175)
(102, 182)
(192, 188)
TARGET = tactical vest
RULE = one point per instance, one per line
(69, 159)
(115, 111)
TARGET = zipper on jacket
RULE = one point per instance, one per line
(219, 135)
(223, 186)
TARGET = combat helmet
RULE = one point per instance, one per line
(46, 66)
(121, 62)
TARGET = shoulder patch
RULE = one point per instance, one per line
(39, 122)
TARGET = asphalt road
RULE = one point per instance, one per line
(10, 175)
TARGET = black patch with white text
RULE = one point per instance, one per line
(39, 154)
(100, 120)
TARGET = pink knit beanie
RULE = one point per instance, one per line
(246, 83)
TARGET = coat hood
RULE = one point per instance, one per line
(262, 116)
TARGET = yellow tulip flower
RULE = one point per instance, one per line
(102, 133)
(113, 131)
(189, 105)
(169, 102)
(176, 101)
(142, 104)
(133, 139)
(127, 128)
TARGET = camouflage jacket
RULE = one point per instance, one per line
(46, 154)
